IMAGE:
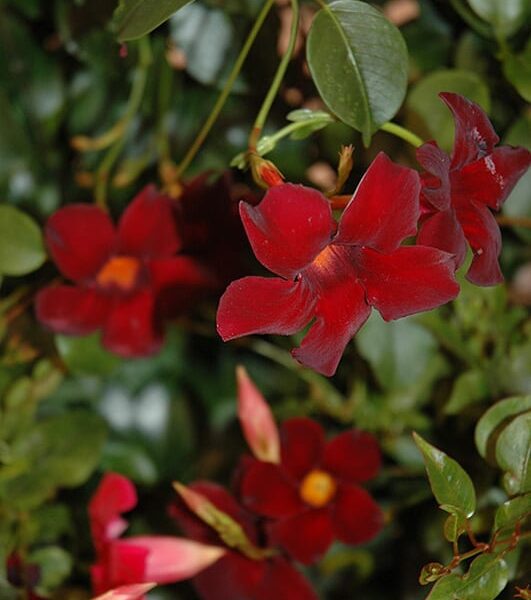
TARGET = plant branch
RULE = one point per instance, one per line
(402, 133)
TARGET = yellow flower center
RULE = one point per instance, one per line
(119, 271)
(317, 488)
(324, 258)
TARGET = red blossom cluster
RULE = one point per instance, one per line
(293, 497)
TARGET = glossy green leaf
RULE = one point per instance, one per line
(470, 387)
(135, 18)
(513, 454)
(497, 414)
(358, 61)
(429, 112)
(21, 246)
(486, 578)
(85, 355)
(506, 16)
(450, 483)
(512, 511)
(454, 526)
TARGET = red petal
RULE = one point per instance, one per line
(289, 228)
(126, 563)
(301, 445)
(356, 517)
(147, 228)
(353, 455)
(267, 490)
(407, 281)
(80, 238)
(263, 305)
(281, 581)
(443, 231)
(384, 208)
(491, 179)
(305, 536)
(341, 310)
(130, 329)
(484, 237)
(71, 310)
(436, 183)
(474, 134)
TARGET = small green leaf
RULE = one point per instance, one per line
(454, 526)
(358, 61)
(517, 69)
(513, 454)
(85, 355)
(486, 578)
(470, 387)
(451, 485)
(55, 565)
(493, 418)
(506, 16)
(431, 572)
(135, 18)
(21, 247)
(512, 511)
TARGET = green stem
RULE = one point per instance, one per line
(227, 88)
(472, 19)
(137, 93)
(402, 133)
(279, 76)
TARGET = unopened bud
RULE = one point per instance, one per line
(265, 173)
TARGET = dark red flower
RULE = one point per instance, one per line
(458, 191)
(236, 576)
(118, 273)
(313, 495)
(334, 273)
(139, 559)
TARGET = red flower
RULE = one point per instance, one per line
(139, 559)
(236, 576)
(334, 273)
(312, 496)
(119, 273)
(458, 191)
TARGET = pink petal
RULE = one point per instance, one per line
(384, 208)
(80, 238)
(130, 330)
(147, 228)
(407, 281)
(302, 445)
(305, 536)
(267, 490)
(289, 228)
(172, 559)
(356, 517)
(436, 182)
(474, 135)
(127, 592)
(256, 420)
(484, 237)
(71, 310)
(340, 311)
(353, 456)
(490, 179)
(263, 305)
(443, 231)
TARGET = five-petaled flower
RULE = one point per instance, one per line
(458, 191)
(139, 559)
(333, 273)
(119, 273)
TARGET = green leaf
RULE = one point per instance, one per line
(513, 454)
(450, 484)
(435, 117)
(493, 418)
(470, 387)
(512, 511)
(21, 247)
(506, 16)
(517, 69)
(135, 18)
(55, 565)
(486, 578)
(358, 61)
(85, 355)
(454, 526)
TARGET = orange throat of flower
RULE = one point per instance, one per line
(317, 488)
(119, 272)
(324, 259)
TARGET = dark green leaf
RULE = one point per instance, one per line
(486, 578)
(451, 485)
(358, 61)
(85, 355)
(495, 416)
(470, 387)
(135, 18)
(54, 565)
(512, 511)
(505, 16)
(513, 454)
(517, 69)
(21, 247)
